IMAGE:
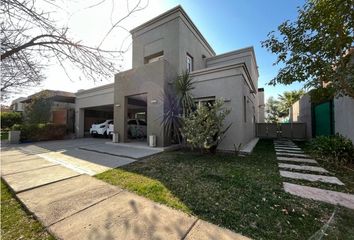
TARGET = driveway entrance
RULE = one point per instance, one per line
(86, 155)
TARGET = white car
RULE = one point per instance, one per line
(136, 128)
(110, 129)
(100, 128)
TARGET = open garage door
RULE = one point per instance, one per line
(96, 115)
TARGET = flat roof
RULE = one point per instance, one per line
(160, 17)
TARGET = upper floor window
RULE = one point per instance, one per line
(189, 62)
(154, 57)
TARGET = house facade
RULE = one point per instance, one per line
(164, 48)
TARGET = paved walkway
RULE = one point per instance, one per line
(72, 205)
(295, 164)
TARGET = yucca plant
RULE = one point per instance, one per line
(183, 86)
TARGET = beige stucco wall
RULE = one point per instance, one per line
(150, 79)
(344, 116)
(229, 84)
(175, 35)
(261, 106)
(301, 112)
(94, 97)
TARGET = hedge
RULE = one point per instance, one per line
(41, 132)
(8, 119)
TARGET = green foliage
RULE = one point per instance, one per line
(184, 86)
(38, 109)
(321, 94)
(336, 149)
(316, 47)
(203, 129)
(273, 112)
(179, 101)
(41, 131)
(287, 99)
(8, 119)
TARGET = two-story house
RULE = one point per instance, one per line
(163, 48)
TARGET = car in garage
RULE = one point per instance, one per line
(100, 129)
(137, 128)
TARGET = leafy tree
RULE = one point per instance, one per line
(317, 47)
(31, 38)
(273, 112)
(8, 119)
(204, 128)
(287, 99)
(38, 110)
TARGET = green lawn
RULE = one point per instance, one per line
(243, 194)
(16, 223)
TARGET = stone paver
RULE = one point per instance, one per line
(333, 197)
(18, 158)
(310, 177)
(16, 167)
(288, 148)
(125, 216)
(289, 151)
(303, 167)
(31, 179)
(292, 154)
(59, 200)
(297, 160)
(206, 231)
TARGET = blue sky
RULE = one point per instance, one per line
(230, 25)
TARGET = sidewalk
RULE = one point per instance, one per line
(77, 206)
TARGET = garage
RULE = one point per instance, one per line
(96, 115)
(137, 117)
(93, 106)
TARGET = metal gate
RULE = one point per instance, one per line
(281, 130)
(323, 119)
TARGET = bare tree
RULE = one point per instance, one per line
(30, 40)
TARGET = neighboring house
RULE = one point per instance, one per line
(17, 104)
(163, 48)
(62, 109)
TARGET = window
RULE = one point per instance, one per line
(207, 101)
(154, 57)
(189, 62)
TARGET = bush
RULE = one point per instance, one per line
(203, 128)
(8, 119)
(40, 132)
(337, 149)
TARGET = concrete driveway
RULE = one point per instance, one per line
(86, 155)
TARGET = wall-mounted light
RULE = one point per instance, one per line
(153, 101)
(227, 99)
(117, 105)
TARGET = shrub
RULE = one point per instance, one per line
(40, 132)
(8, 119)
(203, 128)
(337, 149)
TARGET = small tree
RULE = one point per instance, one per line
(203, 129)
(273, 112)
(8, 119)
(317, 47)
(287, 99)
(38, 109)
(179, 101)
